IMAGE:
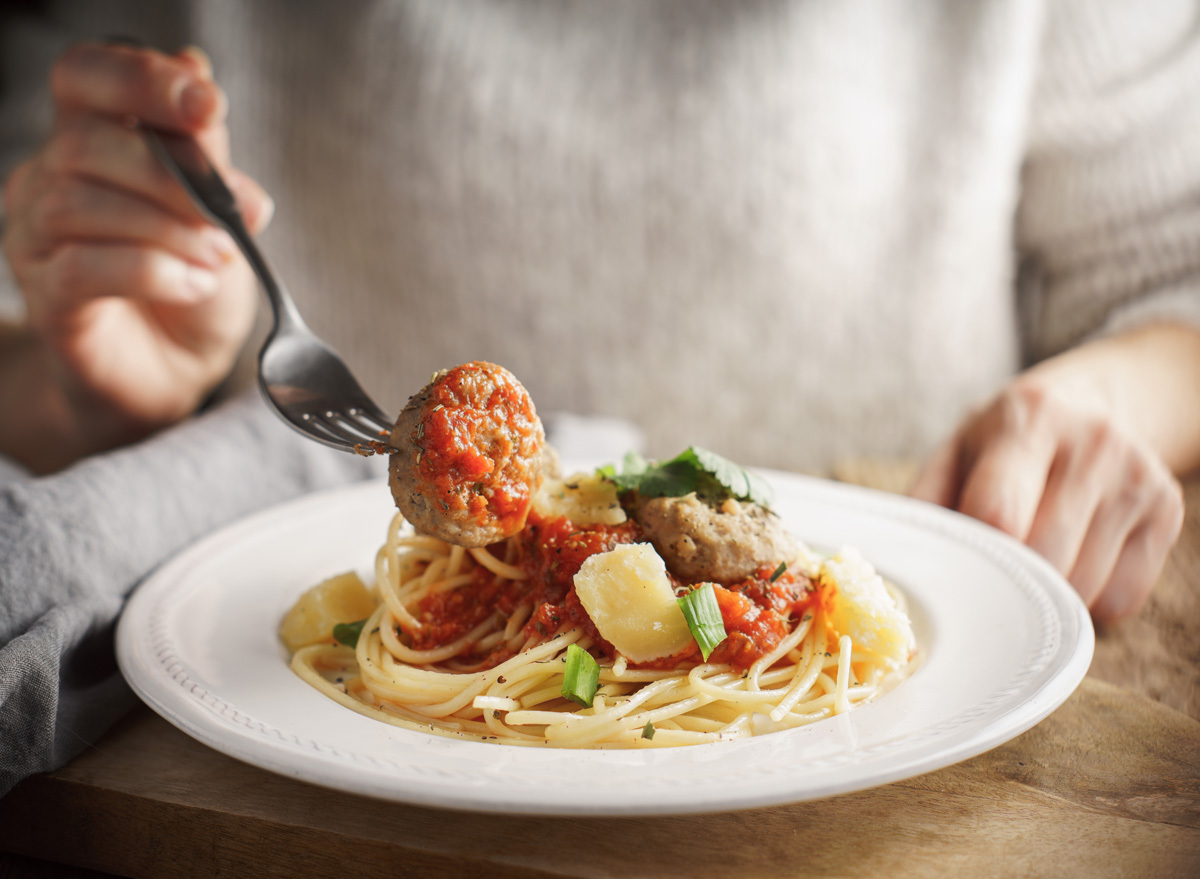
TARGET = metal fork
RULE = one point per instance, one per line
(306, 382)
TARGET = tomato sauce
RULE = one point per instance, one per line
(757, 612)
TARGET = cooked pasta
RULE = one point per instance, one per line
(473, 643)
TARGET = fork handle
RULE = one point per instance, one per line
(188, 164)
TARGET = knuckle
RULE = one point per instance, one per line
(68, 271)
(8, 248)
(1137, 485)
(69, 65)
(991, 508)
(53, 209)
(12, 185)
(144, 77)
(1170, 505)
(1104, 447)
(144, 274)
(1102, 436)
(1025, 410)
(67, 151)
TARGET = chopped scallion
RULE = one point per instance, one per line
(581, 676)
(347, 633)
(703, 618)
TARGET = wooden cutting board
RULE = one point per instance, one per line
(1109, 785)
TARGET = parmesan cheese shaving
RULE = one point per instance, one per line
(628, 595)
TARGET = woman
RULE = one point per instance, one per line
(781, 230)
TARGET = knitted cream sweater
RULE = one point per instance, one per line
(789, 231)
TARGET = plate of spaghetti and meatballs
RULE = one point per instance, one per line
(497, 630)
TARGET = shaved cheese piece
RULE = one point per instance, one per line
(628, 595)
(340, 599)
(584, 498)
(863, 608)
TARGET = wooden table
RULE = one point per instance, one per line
(1109, 785)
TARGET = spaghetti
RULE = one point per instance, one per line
(472, 643)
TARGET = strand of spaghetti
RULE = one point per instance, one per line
(473, 689)
(397, 715)
(438, 654)
(587, 730)
(807, 672)
(306, 673)
(495, 703)
(500, 728)
(497, 567)
(672, 738)
(585, 726)
(418, 542)
(674, 709)
(731, 688)
(841, 704)
(525, 678)
(517, 619)
(739, 726)
(784, 647)
(635, 676)
(457, 555)
(538, 718)
(389, 591)
(387, 565)
(450, 583)
(489, 641)
(389, 554)
(695, 722)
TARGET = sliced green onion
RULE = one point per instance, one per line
(779, 571)
(648, 730)
(581, 677)
(703, 618)
(347, 633)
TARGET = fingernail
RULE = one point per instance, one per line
(199, 284)
(198, 101)
(201, 59)
(268, 211)
(220, 245)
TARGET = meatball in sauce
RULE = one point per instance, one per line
(701, 541)
(469, 452)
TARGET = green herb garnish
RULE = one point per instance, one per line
(581, 677)
(703, 618)
(347, 633)
(692, 470)
(648, 730)
(779, 571)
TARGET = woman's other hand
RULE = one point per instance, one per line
(137, 307)
(1075, 459)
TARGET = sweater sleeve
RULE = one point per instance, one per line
(1109, 221)
(73, 546)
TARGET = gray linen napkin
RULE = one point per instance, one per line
(73, 546)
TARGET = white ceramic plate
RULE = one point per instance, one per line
(1004, 642)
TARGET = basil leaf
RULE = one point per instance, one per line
(692, 470)
(347, 633)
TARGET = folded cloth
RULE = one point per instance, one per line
(73, 546)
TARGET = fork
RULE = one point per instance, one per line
(306, 382)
